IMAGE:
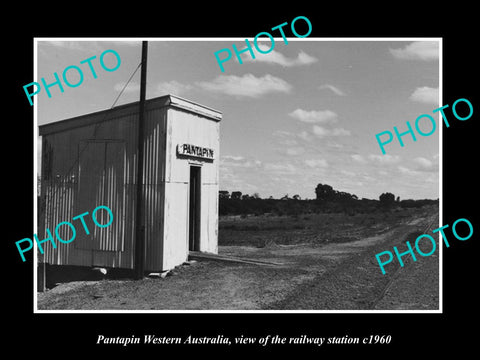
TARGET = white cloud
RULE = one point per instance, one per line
(239, 162)
(304, 135)
(283, 168)
(298, 150)
(132, 87)
(244, 86)
(74, 45)
(425, 95)
(384, 159)
(314, 163)
(253, 163)
(131, 43)
(406, 171)
(171, 87)
(275, 57)
(232, 157)
(335, 145)
(71, 45)
(304, 59)
(359, 158)
(282, 133)
(290, 139)
(423, 164)
(418, 50)
(374, 158)
(314, 116)
(290, 142)
(347, 173)
(247, 85)
(322, 132)
(340, 132)
(163, 88)
(87, 44)
(333, 89)
(95, 47)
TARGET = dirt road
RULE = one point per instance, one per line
(340, 272)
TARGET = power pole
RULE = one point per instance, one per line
(140, 227)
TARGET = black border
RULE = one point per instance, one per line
(50, 334)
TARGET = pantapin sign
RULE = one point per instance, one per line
(195, 151)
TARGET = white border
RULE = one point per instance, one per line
(440, 172)
(35, 168)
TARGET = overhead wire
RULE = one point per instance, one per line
(54, 193)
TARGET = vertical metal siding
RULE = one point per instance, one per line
(154, 177)
(58, 196)
(111, 238)
(165, 188)
(61, 157)
(114, 244)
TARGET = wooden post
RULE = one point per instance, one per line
(41, 266)
(41, 274)
(140, 227)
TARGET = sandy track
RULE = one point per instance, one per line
(354, 281)
(340, 276)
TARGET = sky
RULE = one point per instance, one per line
(305, 113)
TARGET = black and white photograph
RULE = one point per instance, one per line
(241, 182)
(264, 185)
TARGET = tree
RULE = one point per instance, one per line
(324, 192)
(236, 195)
(245, 197)
(387, 199)
(223, 194)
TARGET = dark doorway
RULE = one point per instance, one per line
(194, 211)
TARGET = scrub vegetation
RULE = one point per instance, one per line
(327, 201)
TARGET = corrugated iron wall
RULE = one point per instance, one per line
(61, 174)
(154, 187)
(92, 160)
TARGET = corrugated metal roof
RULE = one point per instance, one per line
(129, 109)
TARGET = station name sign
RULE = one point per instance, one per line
(195, 151)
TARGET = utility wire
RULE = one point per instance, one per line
(97, 125)
(126, 84)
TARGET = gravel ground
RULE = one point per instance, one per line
(321, 275)
(358, 284)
